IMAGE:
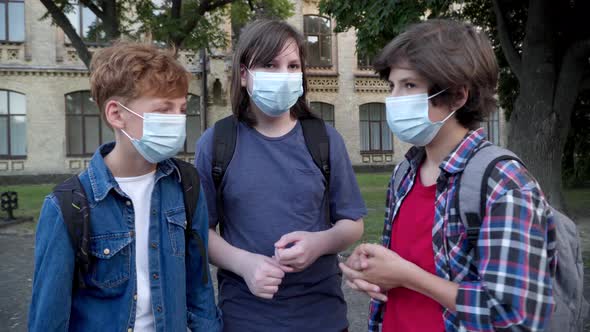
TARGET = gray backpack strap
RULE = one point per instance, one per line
(472, 187)
(399, 174)
(571, 307)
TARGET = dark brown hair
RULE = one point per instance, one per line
(449, 55)
(130, 70)
(260, 42)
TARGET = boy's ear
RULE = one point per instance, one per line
(460, 97)
(113, 114)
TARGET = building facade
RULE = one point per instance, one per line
(50, 125)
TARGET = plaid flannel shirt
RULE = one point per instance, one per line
(509, 285)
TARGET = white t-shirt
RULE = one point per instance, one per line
(139, 189)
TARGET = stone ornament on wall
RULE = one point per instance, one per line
(386, 158)
(371, 85)
(6, 165)
(12, 53)
(322, 84)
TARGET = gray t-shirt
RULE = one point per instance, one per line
(272, 187)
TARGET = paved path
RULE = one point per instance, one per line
(16, 255)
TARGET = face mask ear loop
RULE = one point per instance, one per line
(130, 138)
(448, 116)
(129, 110)
(438, 93)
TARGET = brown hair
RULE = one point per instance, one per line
(129, 70)
(260, 42)
(448, 54)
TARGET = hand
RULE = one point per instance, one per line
(354, 262)
(378, 266)
(370, 289)
(305, 249)
(263, 275)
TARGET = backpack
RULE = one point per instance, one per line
(568, 283)
(224, 144)
(76, 213)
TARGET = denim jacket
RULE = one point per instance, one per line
(179, 299)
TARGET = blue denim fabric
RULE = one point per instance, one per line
(179, 299)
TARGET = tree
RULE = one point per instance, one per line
(544, 61)
(190, 24)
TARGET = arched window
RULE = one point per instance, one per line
(193, 123)
(324, 111)
(13, 125)
(85, 129)
(375, 134)
(318, 37)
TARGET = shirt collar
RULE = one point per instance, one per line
(456, 161)
(102, 180)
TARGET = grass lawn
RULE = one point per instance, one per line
(30, 200)
(578, 202)
(373, 187)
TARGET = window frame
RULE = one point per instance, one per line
(7, 39)
(79, 26)
(83, 117)
(382, 122)
(8, 115)
(366, 58)
(320, 35)
(322, 109)
(185, 150)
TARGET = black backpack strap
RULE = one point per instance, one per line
(318, 144)
(76, 214)
(225, 134)
(473, 184)
(189, 179)
(224, 144)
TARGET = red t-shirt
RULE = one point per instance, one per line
(411, 238)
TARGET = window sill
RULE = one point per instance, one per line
(79, 155)
(321, 71)
(368, 153)
(89, 44)
(11, 43)
(368, 73)
(8, 158)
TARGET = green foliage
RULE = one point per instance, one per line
(376, 22)
(156, 18)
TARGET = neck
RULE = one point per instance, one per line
(125, 161)
(447, 139)
(273, 126)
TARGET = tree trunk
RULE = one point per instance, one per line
(535, 125)
(111, 20)
(535, 137)
(62, 21)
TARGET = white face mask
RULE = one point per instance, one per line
(275, 93)
(163, 135)
(407, 117)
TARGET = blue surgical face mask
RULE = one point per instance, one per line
(407, 117)
(163, 135)
(275, 93)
